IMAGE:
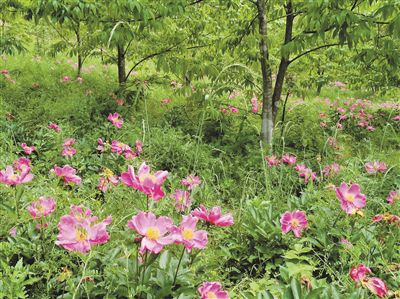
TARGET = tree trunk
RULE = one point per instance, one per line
(267, 122)
(79, 44)
(121, 65)
(280, 77)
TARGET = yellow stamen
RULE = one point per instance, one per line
(295, 223)
(148, 176)
(349, 197)
(153, 233)
(187, 234)
(81, 235)
(211, 295)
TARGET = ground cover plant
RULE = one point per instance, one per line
(160, 149)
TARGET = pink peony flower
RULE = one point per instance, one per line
(106, 180)
(42, 207)
(67, 173)
(223, 110)
(346, 243)
(118, 147)
(187, 234)
(13, 231)
(79, 230)
(155, 231)
(272, 160)
(144, 181)
(100, 145)
(331, 170)
(396, 118)
(371, 128)
(339, 84)
(129, 154)
(359, 273)
(182, 200)
(191, 181)
(22, 164)
(165, 101)
(69, 142)
(351, 198)
(308, 174)
(300, 168)
(68, 151)
(28, 149)
(339, 126)
(288, 159)
(393, 197)
(377, 286)
(54, 127)
(212, 290)
(139, 147)
(375, 166)
(115, 120)
(295, 221)
(214, 216)
(66, 78)
(17, 175)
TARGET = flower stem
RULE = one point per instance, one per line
(144, 268)
(83, 275)
(177, 268)
(16, 202)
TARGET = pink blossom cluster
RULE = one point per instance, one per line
(306, 173)
(387, 217)
(254, 104)
(55, 127)
(286, 159)
(122, 148)
(107, 180)
(68, 150)
(393, 197)
(231, 109)
(331, 170)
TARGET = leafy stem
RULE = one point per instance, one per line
(177, 267)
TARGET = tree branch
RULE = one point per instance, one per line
(312, 50)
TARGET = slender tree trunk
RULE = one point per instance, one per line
(267, 122)
(79, 45)
(121, 64)
(280, 77)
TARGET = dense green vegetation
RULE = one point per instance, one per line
(283, 114)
